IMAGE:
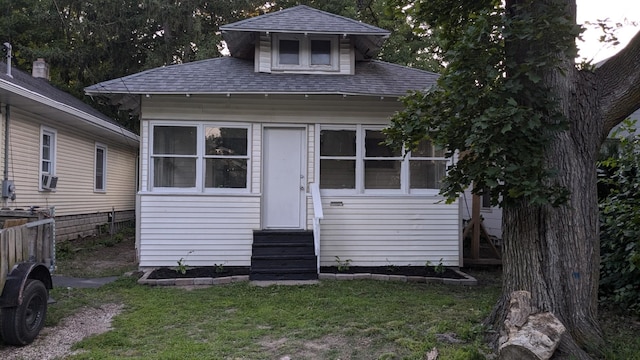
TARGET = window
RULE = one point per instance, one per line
(47, 153)
(305, 52)
(338, 159)
(100, 168)
(320, 52)
(174, 156)
(356, 159)
(226, 157)
(200, 157)
(289, 52)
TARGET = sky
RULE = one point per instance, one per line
(625, 12)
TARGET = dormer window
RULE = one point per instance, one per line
(305, 53)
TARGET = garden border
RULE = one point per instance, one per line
(467, 279)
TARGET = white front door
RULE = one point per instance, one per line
(284, 181)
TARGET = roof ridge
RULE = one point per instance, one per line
(260, 18)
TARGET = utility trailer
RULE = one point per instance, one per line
(27, 258)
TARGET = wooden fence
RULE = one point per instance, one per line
(22, 241)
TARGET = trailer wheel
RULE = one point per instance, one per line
(21, 324)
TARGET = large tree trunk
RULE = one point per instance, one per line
(553, 252)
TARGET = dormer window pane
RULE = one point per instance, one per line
(289, 52)
(320, 52)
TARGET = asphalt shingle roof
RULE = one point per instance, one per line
(44, 88)
(237, 76)
(301, 19)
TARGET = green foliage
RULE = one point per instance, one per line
(491, 103)
(219, 268)
(343, 265)
(619, 185)
(182, 264)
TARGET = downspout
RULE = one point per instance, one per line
(7, 114)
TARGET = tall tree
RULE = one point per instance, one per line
(528, 124)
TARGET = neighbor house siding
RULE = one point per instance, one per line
(75, 156)
(203, 230)
(389, 230)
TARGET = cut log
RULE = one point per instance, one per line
(529, 334)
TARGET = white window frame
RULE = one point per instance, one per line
(360, 158)
(304, 56)
(103, 187)
(53, 144)
(200, 159)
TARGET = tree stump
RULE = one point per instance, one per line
(529, 334)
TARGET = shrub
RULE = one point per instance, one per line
(619, 199)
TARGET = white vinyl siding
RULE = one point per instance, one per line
(204, 230)
(370, 229)
(75, 154)
(383, 230)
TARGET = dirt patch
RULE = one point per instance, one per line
(326, 347)
(97, 256)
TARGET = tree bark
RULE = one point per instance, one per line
(554, 252)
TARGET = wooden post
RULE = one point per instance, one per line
(475, 220)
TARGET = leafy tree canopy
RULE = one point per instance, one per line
(490, 103)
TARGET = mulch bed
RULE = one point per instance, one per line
(215, 272)
(394, 270)
(199, 272)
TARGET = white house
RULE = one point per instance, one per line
(279, 144)
(56, 151)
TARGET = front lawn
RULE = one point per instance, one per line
(332, 320)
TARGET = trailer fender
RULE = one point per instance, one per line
(12, 294)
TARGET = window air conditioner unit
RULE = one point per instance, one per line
(49, 182)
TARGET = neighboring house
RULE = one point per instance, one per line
(59, 152)
(233, 148)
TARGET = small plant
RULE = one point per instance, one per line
(439, 269)
(219, 268)
(391, 268)
(182, 264)
(343, 265)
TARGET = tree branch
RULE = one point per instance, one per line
(619, 84)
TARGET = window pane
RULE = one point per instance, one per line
(337, 174)
(226, 173)
(320, 52)
(46, 167)
(426, 174)
(374, 148)
(337, 143)
(99, 169)
(174, 172)
(289, 52)
(382, 174)
(226, 141)
(178, 140)
(426, 149)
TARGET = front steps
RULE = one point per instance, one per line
(283, 255)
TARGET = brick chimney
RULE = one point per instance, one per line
(40, 69)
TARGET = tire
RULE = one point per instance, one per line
(21, 324)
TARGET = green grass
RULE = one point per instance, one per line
(332, 320)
